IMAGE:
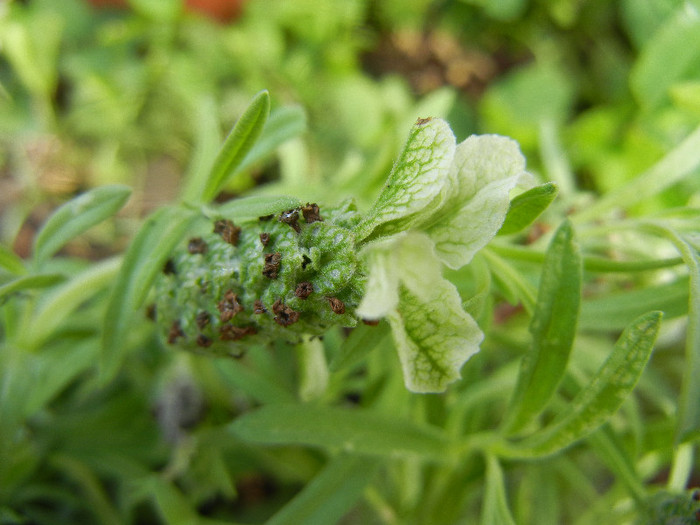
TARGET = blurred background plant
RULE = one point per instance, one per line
(604, 99)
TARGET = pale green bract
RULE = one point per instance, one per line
(469, 187)
(441, 204)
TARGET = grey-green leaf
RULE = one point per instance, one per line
(359, 431)
(254, 206)
(601, 398)
(239, 142)
(146, 256)
(495, 509)
(330, 494)
(553, 328)
(76, 216)
(526, 207)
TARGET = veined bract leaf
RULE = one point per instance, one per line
(146, 256)
(415, 182)
(601, 398)
(527, 206)
(239, 142)
(477, 196)
(330, 494)
(359, 431)
(553, 328)
(76, 216)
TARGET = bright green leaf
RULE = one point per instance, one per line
(76, 216)
(284, 124)
(358, 431)
(415, 182)
(330, 494)
(29, 282)
(670, 54)
(146, 256)
(11, 262)
(484, 170)
(553, 328)
(526, 207)
(253, 206)
(601, 398)
(239, 142)
(361, 341)
(62, 302)
(495, 509)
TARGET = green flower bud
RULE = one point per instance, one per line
(667, 508)
(278, 277)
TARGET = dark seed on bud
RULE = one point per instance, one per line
(259, 307)
(197, 245)
(291, 217)
(337, 305)
(272, 265)
(305, 262)
(266, 217)
(284, 315)
(203, 341)
(234, 333)
(229, 306)
(264, 238)
(311, 213)
(202, 320)
(169, 267)
(175, 332)
(304, 289)
(423, 121)
(229, 232)
(371, 322)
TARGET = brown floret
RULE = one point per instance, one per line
(259, 307)
(234, 333)
(229, 232)
(264, 239)
(284, 315)
(291, 217)
(272, 265)
(337, 305)
(175, 332)
(311, 213)
(304, 289)
(202, 320)
(197, 245)
(229, 306)
(204, 341)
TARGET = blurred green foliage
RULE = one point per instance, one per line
(99, 423)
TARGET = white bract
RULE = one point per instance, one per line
(442, 203)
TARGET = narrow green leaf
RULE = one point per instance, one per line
(11, 262)
(62, 301)
(253, 206)
(146, 256)
(237, 145)
(616, 310)
(358, 431)
(600, 399)
(76, 216)
(253, 383)
(284, 124)
(172, 504)
(527, 206)
(30, 282)
(330, 494)
(553, 328)
(495, 509)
